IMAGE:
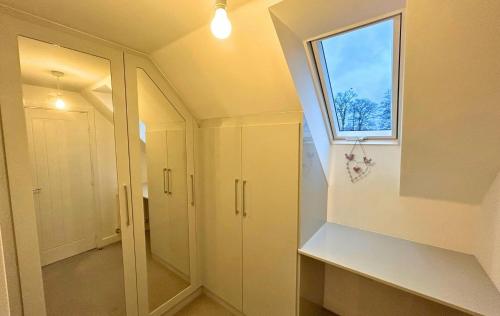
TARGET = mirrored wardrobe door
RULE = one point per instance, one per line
(76, 131)
(157, 133)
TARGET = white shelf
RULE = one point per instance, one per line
(448, 277)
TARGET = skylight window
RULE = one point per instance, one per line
(359, 74)
(142, 131)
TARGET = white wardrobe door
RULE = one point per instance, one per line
(60, 147)
(157, 191)
(177, 239)
(220, 221)
(270, 159)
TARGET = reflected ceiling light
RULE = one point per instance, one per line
(220, 26)
(60, 104)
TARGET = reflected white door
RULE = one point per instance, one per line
(166, 155)
(156, 152)
(163, 260)
(63, 192)
(178, 241)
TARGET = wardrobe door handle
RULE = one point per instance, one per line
(125, 190)
(236, 211)
(244, 199)
(169, 176)
(192, 190)
(165, 190)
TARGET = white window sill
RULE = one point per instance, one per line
(368, 142)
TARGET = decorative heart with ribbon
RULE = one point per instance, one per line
(358, 169)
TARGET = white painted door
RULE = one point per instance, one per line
(270, 164)
(63, 192)
(220, 220)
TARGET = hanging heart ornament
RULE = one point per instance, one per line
(358, 169)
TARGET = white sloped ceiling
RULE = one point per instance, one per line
(244, 74)
(144, 25)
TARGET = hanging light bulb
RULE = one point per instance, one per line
(221, 26)
(60, 104)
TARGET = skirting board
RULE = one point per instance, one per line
(108, 240)
(200, 291)
(220, 301)
(184, 302)
(308, 308)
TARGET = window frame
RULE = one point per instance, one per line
(327, 94)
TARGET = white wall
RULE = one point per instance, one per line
(488, 239)
(298, 66)
(313, 192)
(374, 204)
(451, 110)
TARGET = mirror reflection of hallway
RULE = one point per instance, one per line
(163, 175)
(67, 97)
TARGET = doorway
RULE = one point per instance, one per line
(62, 169)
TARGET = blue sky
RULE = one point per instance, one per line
(362, 60)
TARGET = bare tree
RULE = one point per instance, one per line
(363, 112)
(385, 115)
(343, 102)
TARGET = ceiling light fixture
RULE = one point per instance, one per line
(221, 26)
(60, 104)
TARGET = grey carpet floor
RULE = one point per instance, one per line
(91, 284)
(163, 284)
(88, 284)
